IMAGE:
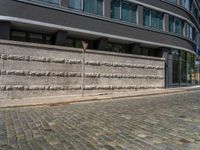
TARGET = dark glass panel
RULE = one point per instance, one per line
(18, 36)
(76, 4)
(176, 72)
(35, 38)
(115, 9)
(146, 17)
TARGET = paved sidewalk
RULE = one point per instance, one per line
(53, 100)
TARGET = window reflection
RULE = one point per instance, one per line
(182, 68)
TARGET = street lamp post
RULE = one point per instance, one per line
(85, 45)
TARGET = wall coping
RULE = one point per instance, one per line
(78, 50)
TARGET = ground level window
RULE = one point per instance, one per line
(182, 68)
(35, 38)
(197, 71)
(114, 47)
(25, 36)
(18, 36)
(77, 43)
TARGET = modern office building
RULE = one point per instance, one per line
(158, 28)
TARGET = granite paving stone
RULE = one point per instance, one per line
(164, 122)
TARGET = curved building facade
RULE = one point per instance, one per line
(158, 28)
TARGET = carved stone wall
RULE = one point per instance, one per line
(37, 70)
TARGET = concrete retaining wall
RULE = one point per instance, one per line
(38, 70)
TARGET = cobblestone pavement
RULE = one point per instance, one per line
(156, 123)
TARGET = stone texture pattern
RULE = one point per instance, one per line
(37, 70)
(154, 123)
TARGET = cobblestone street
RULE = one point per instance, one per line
(155, 123)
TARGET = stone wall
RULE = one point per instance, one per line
(28, 70)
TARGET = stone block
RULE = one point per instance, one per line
(37, 58)
(4, 56)
(57, 60)
(36, 87)
(16, 57)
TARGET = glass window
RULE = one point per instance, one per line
(193, 69)
(178, 26)
(93, 6)
(175, 25)
(49, 1)
(173, 1)
(182, 68)
(115, 9)
(195, 12)
(18, 36)
(186, 4)
(153, 18)
(48, 39)
(35, 38)
(176, 67)
(189, 68)
(77, 43)
(128, 11)
(114, 47)
(197, 72)
(100, 7)
(175, 72)
(189, 31)
(199, 20)
(89, 6)
(70, 42)
(171, 24)
(182, 2)
(146, 17)
(31, 37)
(183, 60)
(76, 4)
(156, 19)
(123, 10)
(145, 51)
